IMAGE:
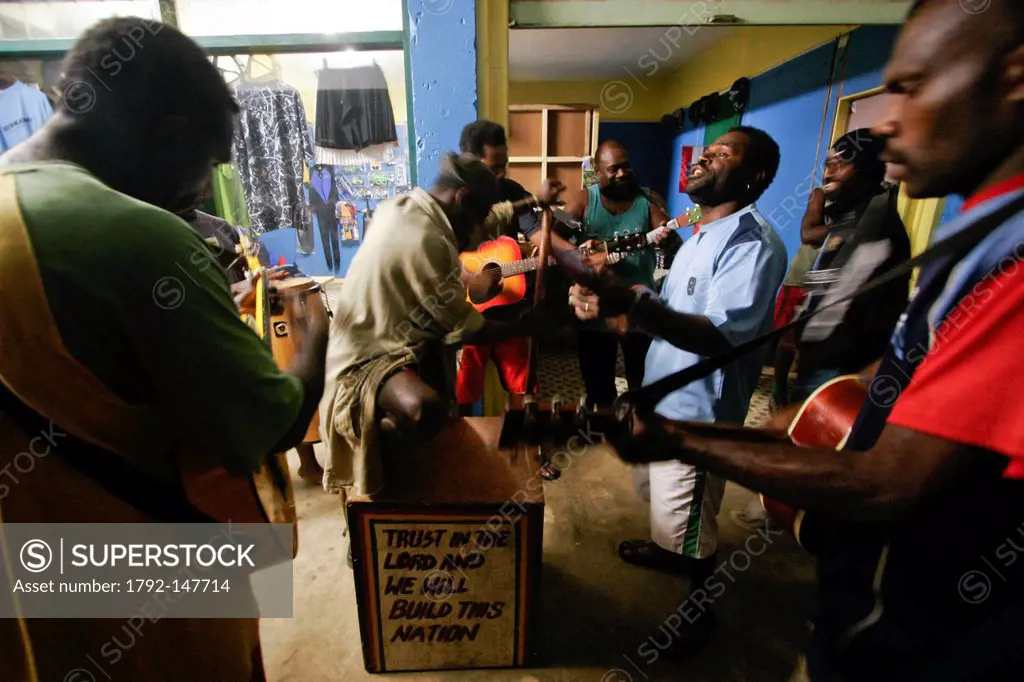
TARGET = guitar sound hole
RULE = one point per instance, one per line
(490, 284)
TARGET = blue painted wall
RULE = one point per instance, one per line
(794, 103)
(649, 148)
(788, 103)
(442, 56)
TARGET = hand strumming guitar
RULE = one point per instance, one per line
(483, 285)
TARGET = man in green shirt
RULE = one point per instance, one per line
(617, 204)
(118, 331)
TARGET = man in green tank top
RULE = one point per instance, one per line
(617, 204)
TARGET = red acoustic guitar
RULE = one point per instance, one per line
(825, 420)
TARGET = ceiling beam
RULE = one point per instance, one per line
(597, 13)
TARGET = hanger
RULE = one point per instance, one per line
(272, 69)
(7, 79)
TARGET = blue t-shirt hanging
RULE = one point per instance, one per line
(23, 110)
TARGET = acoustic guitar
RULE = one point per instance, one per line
(502, 260)
(824, 420)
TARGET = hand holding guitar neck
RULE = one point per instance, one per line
(549, 191)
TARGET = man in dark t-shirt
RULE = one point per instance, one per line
(860, 235)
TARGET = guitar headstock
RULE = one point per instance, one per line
(629, 242)
(691, 216)
(532, 422)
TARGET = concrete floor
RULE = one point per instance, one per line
(595, 611)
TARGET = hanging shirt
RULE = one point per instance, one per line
(23, 110)
(353, 108)
(271, 147)
(729, 272)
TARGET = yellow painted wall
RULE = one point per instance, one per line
(747, 52)
(492, 60)
(644, 105)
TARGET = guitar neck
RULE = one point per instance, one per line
(650, 239)
(521, 267)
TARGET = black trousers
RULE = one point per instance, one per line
(329, 237)
(597, 351)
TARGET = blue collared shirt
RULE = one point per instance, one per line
(729, 272)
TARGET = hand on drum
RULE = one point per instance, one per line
(318, 324)
(244, 293)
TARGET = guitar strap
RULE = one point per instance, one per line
(645, 399)
(118, 476)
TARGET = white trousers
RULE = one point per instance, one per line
(685, 501)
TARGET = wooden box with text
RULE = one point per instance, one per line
(447, 559)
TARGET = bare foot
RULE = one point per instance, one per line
(310, 475)
(310, 470)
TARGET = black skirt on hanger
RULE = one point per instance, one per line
(353, 108)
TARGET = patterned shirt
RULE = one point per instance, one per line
(270, 147)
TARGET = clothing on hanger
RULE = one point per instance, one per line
(23, 110)
(323, 200)
(272, 151)
(353, 108)
(228, 196)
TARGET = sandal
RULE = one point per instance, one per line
(647, 554)
(549, 472)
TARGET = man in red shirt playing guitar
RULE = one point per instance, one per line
(916, 525)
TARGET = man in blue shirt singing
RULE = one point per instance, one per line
(719, 293)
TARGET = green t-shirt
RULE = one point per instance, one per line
(638, 268)
(142, 303)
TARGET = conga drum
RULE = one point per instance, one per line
(288, 328)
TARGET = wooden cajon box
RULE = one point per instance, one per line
(447, 558)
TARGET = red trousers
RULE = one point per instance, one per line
(512, 359)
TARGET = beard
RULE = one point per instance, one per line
(702, 188)
(621, 190)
